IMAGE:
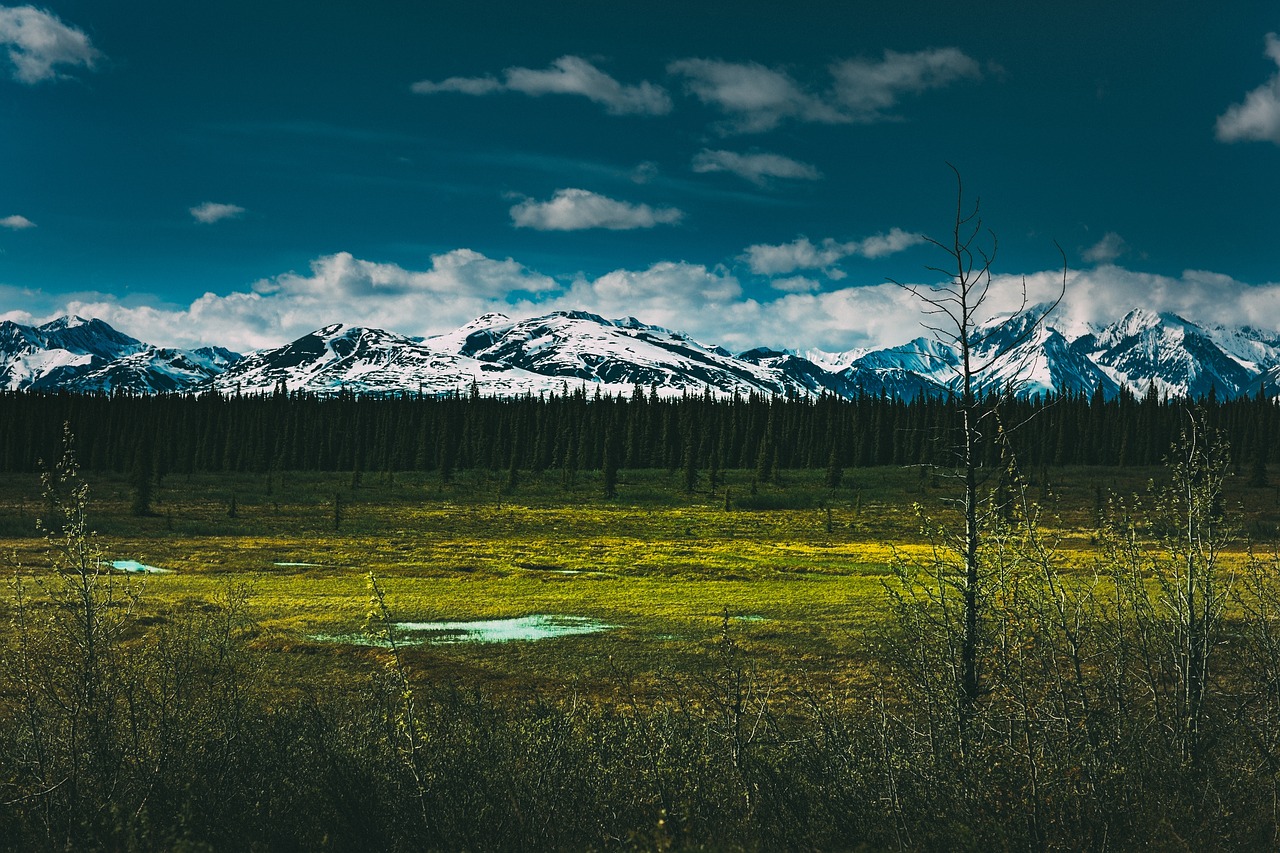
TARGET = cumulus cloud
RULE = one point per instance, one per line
(1258, 117)
(575, 210)
(867, 90)
(709, 303)
(1108, 292)
(459, 286)
(568, 75)
(757, 98)
(38, 40)
(212, 211)
(889, 243)
(757, 168)
(1106, 250)
(804, 254)
(16, 223)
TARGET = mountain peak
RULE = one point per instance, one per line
(549, 353)
(66, 321)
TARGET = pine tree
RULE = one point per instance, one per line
(835, 473)
(690, 463)
(610, 467)
(142, 482)
(764, 459)
(713, 469)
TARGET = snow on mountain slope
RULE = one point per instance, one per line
(801, 374)
(156, 370)
(832, 362)
(570, 350)
(1180, 358)
(360, 360)
(56, 354)
(623, 353)
(94, 337)
(1030, 357)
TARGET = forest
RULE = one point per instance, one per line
(298, 431)
(794, 662)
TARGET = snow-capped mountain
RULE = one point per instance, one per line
(1178, 357)
(496, 355)
(571, 350)
(81, 355)
(622, 353)
(338, 358)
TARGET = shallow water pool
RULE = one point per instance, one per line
(133, 566)
(540, 626)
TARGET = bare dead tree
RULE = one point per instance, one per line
(960, 320)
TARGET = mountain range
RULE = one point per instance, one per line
(570, 350)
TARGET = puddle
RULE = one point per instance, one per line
(536, 627)
(749, 618)
(133, 566)
(299, 565)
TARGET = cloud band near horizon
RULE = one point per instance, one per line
(709, 303)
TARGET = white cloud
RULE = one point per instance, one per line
(795, 284)
(1108, 292)
(1258, 118)
(757, 168)
(212, 211)
(462, 85)
(37, 41)
(459, 286)
(575, 210)
(568, 75)
(709, 303)
(800, 254)
(803, 254)
(867, 89)
(889, 243)
(16, 223)
(755, 97)
(1106, 250)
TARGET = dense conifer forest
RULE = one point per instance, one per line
(344, 432)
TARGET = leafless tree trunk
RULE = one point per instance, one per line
(959, 319)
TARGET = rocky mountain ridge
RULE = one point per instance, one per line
(570, 350)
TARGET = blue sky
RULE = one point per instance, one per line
(749, 172)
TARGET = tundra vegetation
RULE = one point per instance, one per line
(788, 668)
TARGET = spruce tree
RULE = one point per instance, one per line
(142, 482)
(835, 473)
(610, 467)
(690, 463)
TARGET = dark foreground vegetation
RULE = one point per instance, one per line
(1132, 703)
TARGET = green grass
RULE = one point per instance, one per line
(663, 565)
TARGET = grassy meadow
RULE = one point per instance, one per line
(798, 568)
(771, 680)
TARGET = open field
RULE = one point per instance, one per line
(765, 682)
(798, 568)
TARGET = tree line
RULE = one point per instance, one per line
(184, 434)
